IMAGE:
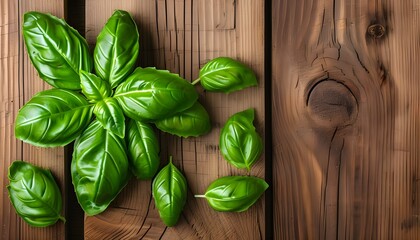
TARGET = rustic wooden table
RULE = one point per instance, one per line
(337, 105)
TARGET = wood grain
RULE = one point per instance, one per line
(182, 36)
(346, 130)
(20, 82)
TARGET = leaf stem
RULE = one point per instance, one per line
(195, 81)
(62, 218)
(200, 196)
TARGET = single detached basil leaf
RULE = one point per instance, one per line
(52, 118)
(169, 189)
(34, 194)
(234, 193)
(224, 74)
(93, 87)
(193, 122)
(57, 51)
(117, 48)
(240, 144)
(99, 168)
(108, 112)
(143, 149)
(151, 94)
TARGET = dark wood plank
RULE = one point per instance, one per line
(182, 36)
(345, 119)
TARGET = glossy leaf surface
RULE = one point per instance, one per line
(234, 193)
(52, 118)
(240, 144)
(94, 88)
(108, 112)
(224, 74)
(143, 149)
(57, 51)
(99, 168)
(169, 190)
(34, 194)
(151, 94)
(193, 122)
(117, 48)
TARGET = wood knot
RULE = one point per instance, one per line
(332, 104)
(376, 30)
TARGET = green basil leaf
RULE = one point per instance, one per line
(117, 48)
(240, 144)
(193, 122)
(34, 194)
(151, 94)
(52, 118)
(143, 149)
(169, 190)
(99, 168)
(108, 112)
(93, 87)
(57, 51)
(234, 193)
(224, 74)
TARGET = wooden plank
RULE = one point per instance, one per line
(20, 82)
(10, 148)
(345, 119)
(182, 36)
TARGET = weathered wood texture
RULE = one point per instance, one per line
(19, 82)
(182, 36)
(346, 133)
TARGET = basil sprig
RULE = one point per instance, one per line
(192, 122)
(99, 168)
(240, 143)
(117, 48)
(225, 74)
(118, 140)
(34, 194)
(151, 94)
(169, 190)
(56, 50)
(142, 149)
(52, 118)
(234, 193)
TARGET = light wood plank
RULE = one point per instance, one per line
(19, 83)
(182, 36)
(10, 148)
(345, 119)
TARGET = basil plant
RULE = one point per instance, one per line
(104, 103)
(109, 107)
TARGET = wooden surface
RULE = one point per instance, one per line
(346, 127)
(182, 36)
(19, 82)
(345, 103)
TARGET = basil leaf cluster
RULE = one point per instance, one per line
(234, 193)
(109, 107)
(104, 103)
(34, 194)
(169, 190)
